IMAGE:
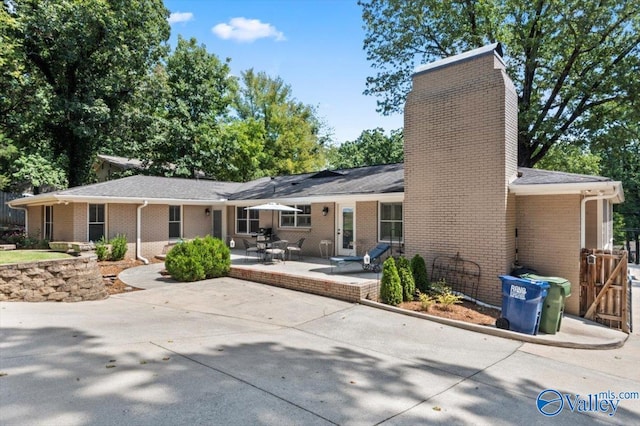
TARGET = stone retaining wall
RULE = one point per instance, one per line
(63, 280)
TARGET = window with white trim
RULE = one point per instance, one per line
(390, 224)
(96, 222)
(175, 224)
(48, 223)
(294, 219)
(247, 221)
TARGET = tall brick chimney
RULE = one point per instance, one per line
(461, 149)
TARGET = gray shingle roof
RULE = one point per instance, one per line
(153, 187)
(528, 176)
(381, 179)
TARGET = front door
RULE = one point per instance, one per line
(217, 224)
(346, 230)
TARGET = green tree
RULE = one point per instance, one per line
(196, 90)
(38, 172)
(406, 278)
(571, 61)
(86, 58)
(620, 160)
(568, 158)
(390, 287)
(371, 148)
(420, 276)
(241, 143)
(8, 153)
(292, 140)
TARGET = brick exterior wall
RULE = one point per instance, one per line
(36, 221)
(591, 219)
(121, 220)
(155, 229)
(366, 226)
(549, 239)
(195, 223)
(460, 155)
(322, 228)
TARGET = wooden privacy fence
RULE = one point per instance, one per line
(8, 216)
(605, 292)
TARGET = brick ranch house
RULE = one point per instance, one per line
(458, 191)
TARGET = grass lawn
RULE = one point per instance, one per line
(24, 256)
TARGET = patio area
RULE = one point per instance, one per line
(310, 275)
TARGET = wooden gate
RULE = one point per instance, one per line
(605, 293)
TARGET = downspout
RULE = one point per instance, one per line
(583, 215)
(139, 231)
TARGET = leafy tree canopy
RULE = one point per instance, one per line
(371, 148)
(572, 61)
(82, 60)
(292, 133)
(185, 102)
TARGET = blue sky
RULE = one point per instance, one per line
(315, 46)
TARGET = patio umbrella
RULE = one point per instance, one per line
(274, 207)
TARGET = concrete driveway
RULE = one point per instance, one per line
(233, 352)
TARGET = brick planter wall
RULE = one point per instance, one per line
(63, 280)
(337, 290)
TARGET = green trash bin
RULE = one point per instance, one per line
(553, 304)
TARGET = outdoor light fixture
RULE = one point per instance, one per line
(366, 259)
(325, 210)
(207, 211)
(232, 244)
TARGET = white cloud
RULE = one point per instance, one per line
(176, 17)
(247, 30)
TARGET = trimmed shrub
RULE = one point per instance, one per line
(406, 278)
(102, 250)
(447, 299)
(118, 247)
(390, 287)
(419, 271)
(198, 259)
(426, 301)
(216, 258)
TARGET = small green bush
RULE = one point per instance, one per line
(390, 287)
(419, 270)
(102, 251)
(198, 259)
(118, 247)
(406, 278)
(439, 287)
(447, 299)
(426, 301)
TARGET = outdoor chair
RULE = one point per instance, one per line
(249, 248)
(375, 259)
(278, 249)
(296, 248)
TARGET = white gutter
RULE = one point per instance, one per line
(583, 203)
(139, 231)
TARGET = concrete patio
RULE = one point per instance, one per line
(311, 275)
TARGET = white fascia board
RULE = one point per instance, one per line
(60, 198)
(586, 188)
(30, 201)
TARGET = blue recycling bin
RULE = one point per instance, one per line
(522, 302)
